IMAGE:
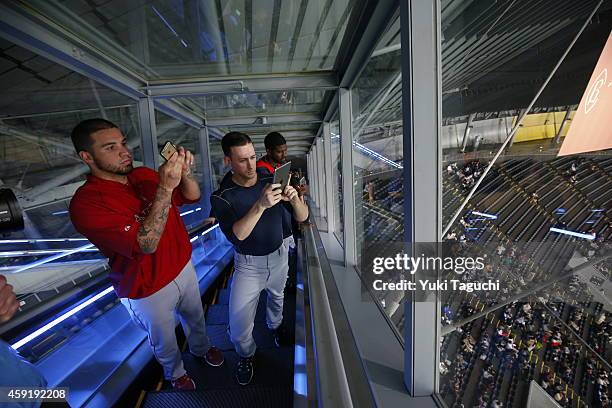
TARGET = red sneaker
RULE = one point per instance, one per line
(184, 383)
(214, 357)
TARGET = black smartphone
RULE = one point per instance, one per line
(168, 150)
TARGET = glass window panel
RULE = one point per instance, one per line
(494, 60)
(181, 134)
(377, 161)
(259, 104)
(219, 169)
(40, 104)
(162, 39)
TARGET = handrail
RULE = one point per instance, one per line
(340, 373)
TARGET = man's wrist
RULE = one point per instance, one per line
(296, 200)
(187, 174)
(259, 207)
(164, 190)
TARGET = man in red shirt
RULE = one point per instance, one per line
(276, 152)
(132, 216)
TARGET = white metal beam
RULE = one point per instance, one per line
(242, 84)
(329, 185)
(421, 105)
(348, 186)
(270, 119)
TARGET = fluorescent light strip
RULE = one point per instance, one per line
(40, 252)
(371, 152)
(34, 241)
(210, 229)
(204, 233)
(165, 22)
(183, 43)
(490, 216)
(376, 155)
(52, 258)
(573, 233)
(190, 211)
(300, 381)
(60, 212)
(60, 319)
(71, 312)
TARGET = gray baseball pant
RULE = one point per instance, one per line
(252, 274)
(156, 314)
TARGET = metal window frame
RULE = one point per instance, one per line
(40, 37)
(311, 179)
(252, 83)
(421, 81)
(315, 178)
(321, 177)
(206, 168)
(348, 190)
(329, 185)
(148, 132)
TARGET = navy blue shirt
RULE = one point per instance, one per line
(226, 179)
(232, 202)
(287, 227)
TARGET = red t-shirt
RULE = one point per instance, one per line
(109, 213)
(261, 163)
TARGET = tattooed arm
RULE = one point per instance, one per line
(153, 226)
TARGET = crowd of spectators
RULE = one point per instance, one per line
(530, 340)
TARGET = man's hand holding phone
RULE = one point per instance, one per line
(188, 163)
(270, 196)
(171, 172)
(290, 193)
(169, 150)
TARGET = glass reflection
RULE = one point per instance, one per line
(538, 217)
(163, 39)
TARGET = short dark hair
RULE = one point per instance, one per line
(232, 139)
(274, 139)
(81, 134)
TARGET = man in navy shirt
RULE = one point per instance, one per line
(250, 212)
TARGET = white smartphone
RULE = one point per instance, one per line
(281, 175)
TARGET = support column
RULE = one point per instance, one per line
(148, 132)
(329, 185)
(311, 176)
(520, 115)
(466, 134)
(421, 108)
(322, 180)
(206, 169)
(563, 123)
(348, 189)
(315, 175)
